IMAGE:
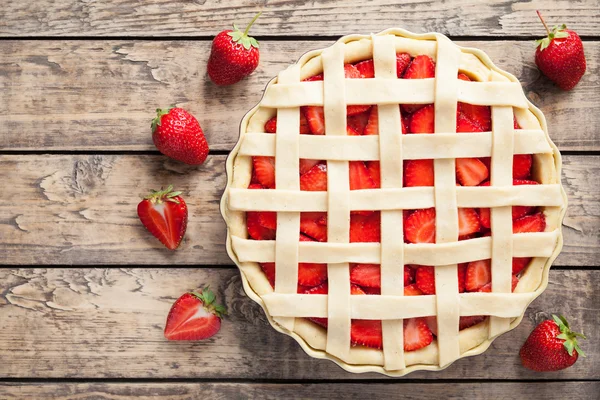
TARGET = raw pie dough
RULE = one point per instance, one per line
(491, 86)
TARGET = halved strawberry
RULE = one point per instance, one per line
(315, 179)
(366, 332)
(467, 322)
(271, 125)
(315, 117)
(468, 221)
(375, 172)
(418, 173)
(194, 316)
(470, 171)
(416, 334)
(481, 115)
(419, 227)
(479, 273)
(421, 67)
(366, 68)
(310, 226)
(412, 290)
(425, 279)
(255, 229)
(307, 164)
(423, 120)
(372, 127)
(402, 62)
(268, 219)
(358, 122)
(165, 215)
(522, 166)
(464, 124)
(530, 223)
(365, 228)
(359, 176)
(264, 168)
(367, 275)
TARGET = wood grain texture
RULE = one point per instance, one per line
(191, 391)
(108, 323)
(81, 210)
(289, 17)
(101, 95)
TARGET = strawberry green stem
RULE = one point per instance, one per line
(543, 22)
(251, 23)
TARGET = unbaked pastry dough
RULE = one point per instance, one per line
(283, 97)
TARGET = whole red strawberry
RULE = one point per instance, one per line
(164, 213)
(551, 346)
(177, 134)
(194, 316)
(560, 56)
(234, 55)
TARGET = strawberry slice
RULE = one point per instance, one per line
(271, 125)
(530, 223)
(315, 179)
(409, 274)
(359, 176)
(479, 274)
(412, 290)
(519, 264)
(416, 334)
(402, 62)
(418, 173)
(421, 67)
(467, 322)
(425, 279)
(304, 129)
(468, 221)
(365, 228)
(321, 289)
(264, 168)
(515, 123)
(368, 275)
(464, 124)
(255, 229)
(419, 227)
(372, 127)
(269, 271)
(488, 287)
(366, 68)
(318, 77)
(267, 219)
(471, 171)
(522, 166)
(359, 122)
(311, 274)
(315, 117)
(350, 131)
(307, 164)
(351, 72)
(423, 120)
(194, 316)
(310, 226)
(405, 120)
(165, 215)
(462, 276)
(463, 77)
(366, 332)
(356, 109)
(375, 172)
(480, 115)
(485, 218)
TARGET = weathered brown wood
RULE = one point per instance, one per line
(184, 18)
(108, 323)
(101, 95)
(189, 391)
(81, 209)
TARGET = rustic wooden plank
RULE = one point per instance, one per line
(184, 18)
(81, 209)
(101, 95)
(108, 323)
(180, 391)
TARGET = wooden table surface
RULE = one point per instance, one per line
(84, 289)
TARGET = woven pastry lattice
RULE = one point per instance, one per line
(392, 148)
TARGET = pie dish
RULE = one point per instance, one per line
(423, 224)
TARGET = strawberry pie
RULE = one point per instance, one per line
(394, 202)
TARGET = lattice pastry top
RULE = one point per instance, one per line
(458, 235)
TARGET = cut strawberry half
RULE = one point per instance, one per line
(310, 226)
(425, 279)
(164, 214)
(271, 125)
(479, 274)
(375, 172)
(402, 62)
(530, 223)
(471, 171)
(419, 227)
(522, 166)
(365, 228)
(264, 168)
(464, 124)
(418, 173)
(468, 221)
(315, 118)
(416, 334)
(255, 229)
(315, 180)
(423, 120)
(480, 115)
(421, 67)
(194, 316)
(367, 275)
(359, 176)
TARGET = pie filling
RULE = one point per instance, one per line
(419, 225)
